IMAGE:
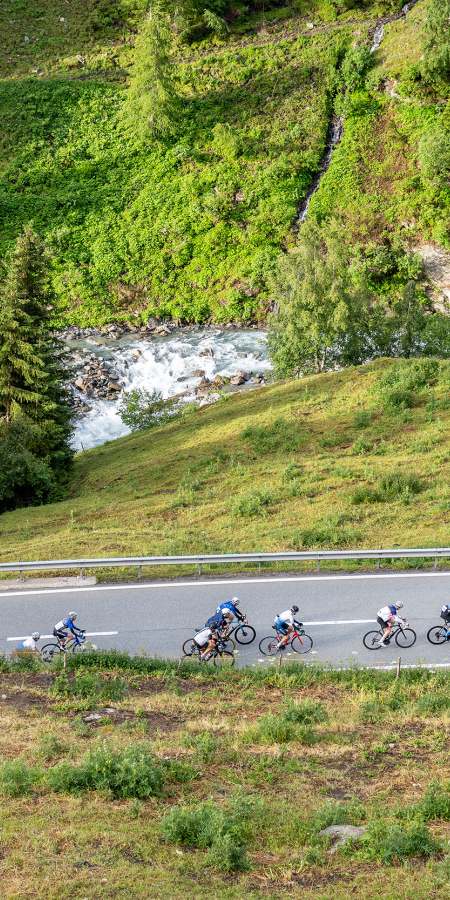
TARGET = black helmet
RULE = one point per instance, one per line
(213, 626)
(294, 609)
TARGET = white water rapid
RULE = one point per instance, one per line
(165, 364)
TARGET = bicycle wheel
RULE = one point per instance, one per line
(372, 639)
(406, 637)
(228, 644)
(223, 659)
(268, 645)
(301, 643)
(188, 647)
(245, 635)
(436, 634)
(49, 651)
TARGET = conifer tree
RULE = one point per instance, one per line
(33, 397)
(151, 104)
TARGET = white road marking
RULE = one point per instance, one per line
(344, 622)
(228, 582)
(44, 637)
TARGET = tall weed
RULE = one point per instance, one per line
(122, 772)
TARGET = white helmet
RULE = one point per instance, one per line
(399, 605)
(36, 636)
(235, 600)
(72, 615)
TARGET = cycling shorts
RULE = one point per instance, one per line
(59, 634)
(282, 626)
(382, 622)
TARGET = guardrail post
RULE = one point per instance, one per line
(199, 568)
(435, 562)
(259, 568)
(81, 573)
(379, 559)
(139, 571)
(21, 578)
(318, 565)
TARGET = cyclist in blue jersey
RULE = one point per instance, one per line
(284, 623)
(67, 627)
(229, 610)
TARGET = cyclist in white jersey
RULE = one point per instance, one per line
(387, 617)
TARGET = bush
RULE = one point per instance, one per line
(432, 703)
(209, 827)
(253, 504)
(141, 409)
(389, 843)
(292, 724)
(435, 804)
(396, 386)
(16, 777)
(362, 419)
(278, 435)
(326, 535)
(394, 486)
(124, 772)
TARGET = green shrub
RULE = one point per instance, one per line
(390, 843)
(113, 689)
(252, 504)
(123, 772)
(293, 723)
(362, 419)
(326, 535)
(50, 747)
(207, 826)
(433, 703)
(278, 435)
(86, 686)
(17, 778)
(393, 486)
(204, 744)
(435, 804)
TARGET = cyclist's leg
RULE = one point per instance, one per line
(286, 631)
(385, 627)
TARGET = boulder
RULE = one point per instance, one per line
(340, 834)
(79, 383)
(136, 353)
(241, 355)
(237, 379)
(196, 373)
(114, 387)
(208, 352)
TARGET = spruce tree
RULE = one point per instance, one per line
(151, 104)
(32, 371)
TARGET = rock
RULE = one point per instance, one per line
(208, 352)
(343, 833)
(245, 375)
(80, 59)
(79, 383)
(27, 39)
(136, 353)
(114, 387)
(196, 373)
(182, 378)
(218, 379)
(112, 328)
(241, 355)
(113, 377)
(237, 379)
(310, 24)
(436, 263)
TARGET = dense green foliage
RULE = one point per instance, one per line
(35, 419)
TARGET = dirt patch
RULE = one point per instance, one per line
(110, 716)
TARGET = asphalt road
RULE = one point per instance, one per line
(337, 611)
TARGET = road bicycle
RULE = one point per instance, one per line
(299, 641)
(404, 637)
(73, 645)
(438, 634)
(243, 633)
(219, 655)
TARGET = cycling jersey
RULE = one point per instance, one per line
(389, 612)
(216, 619)
(203, 637)
(445, 612)
(28, 644)
(287, 617)
(67, 623)
(229, 605)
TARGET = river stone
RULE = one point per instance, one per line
(343, 833)
(114, 387)
(241, 355)
(237, 379)
(197, 373)
(208, 352)
(79, 383)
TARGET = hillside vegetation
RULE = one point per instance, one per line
(198, 782)
(356, 458)
(190, 226)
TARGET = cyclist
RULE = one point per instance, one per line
(445, 615)
(29, 644)
(229, 610)
(387, 617)
(206, 640)
(66, 627)
(284, 623)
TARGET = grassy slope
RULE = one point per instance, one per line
(198, 486)
(177, 227)
(371, 762)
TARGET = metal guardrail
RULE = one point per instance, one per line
(199, 560)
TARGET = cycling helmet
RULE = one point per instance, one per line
(72, 616)
(35, 635)
(235, 600)
(213, 626)
(399, 605)
(294, 609)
